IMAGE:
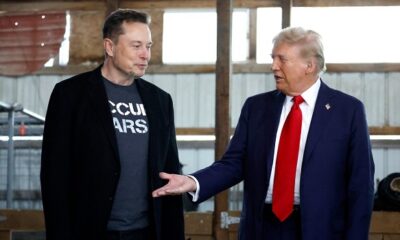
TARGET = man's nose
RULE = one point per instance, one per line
(274, 65)
(145, 53)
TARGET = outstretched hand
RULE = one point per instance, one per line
(177, 184)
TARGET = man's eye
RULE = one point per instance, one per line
(282, 59)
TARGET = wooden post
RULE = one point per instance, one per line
(156, 26)
(286, 12)
(253, 35)
(222, 124)
(111, 6)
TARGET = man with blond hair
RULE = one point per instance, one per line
(302, 151)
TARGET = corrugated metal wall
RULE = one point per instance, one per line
(194, 100)
(194, 94)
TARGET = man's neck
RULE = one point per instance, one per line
(115, 76)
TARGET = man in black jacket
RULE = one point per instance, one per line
(108, 133)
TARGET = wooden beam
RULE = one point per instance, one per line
(344, 3)
(34, 6)
(86, 40)
(157, 26)
(373, 130)
(363, 67)
(223, 76)
(386, 130)
(14, 6)
(286, 12)
(196, 4)
(237, 68)
(195, 131)
(252, 67)
(111, 6)
(253, 35)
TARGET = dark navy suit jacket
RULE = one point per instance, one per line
(337, 177)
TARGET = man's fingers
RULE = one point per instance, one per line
(164, 175)
(163, 191)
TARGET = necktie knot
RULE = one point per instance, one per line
(297, 100)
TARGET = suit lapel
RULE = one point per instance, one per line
(155, 118)
(99, 101)
(319, 120)
(272, 116)
(272, 127)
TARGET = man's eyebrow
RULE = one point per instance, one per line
(140, 42)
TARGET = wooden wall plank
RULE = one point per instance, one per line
(11, 5)
(210, 131)
(22, 219)
(86, 40)
(385, 222)
(156, 26)
(286, 12)
(237, 68)
(223, 76)
(253, 35)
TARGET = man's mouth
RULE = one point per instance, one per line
(142, 65)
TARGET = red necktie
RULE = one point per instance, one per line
(286, 162)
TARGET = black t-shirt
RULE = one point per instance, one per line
(130, 207)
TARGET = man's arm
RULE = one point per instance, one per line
(361, 179)
(217, 177)
(55, 167)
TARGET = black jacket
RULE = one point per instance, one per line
(80, 163)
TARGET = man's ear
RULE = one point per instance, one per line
(311, 66)
(108, 46)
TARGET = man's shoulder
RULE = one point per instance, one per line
(345, 98)
(77, 80)
(264, 97)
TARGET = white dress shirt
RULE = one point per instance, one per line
(307, 109)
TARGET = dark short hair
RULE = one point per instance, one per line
(113, 25)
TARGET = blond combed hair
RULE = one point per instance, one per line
(309, 40)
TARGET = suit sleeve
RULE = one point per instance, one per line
(360, 178)
(55, 166)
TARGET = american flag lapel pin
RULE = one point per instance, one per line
(327, 106)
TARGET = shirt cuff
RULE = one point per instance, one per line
(195, 195)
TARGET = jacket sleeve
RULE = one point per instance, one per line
(56, 165)
(360, 188)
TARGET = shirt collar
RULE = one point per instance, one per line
(310, 95)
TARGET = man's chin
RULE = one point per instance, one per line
(279, 86)
(136, 75)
